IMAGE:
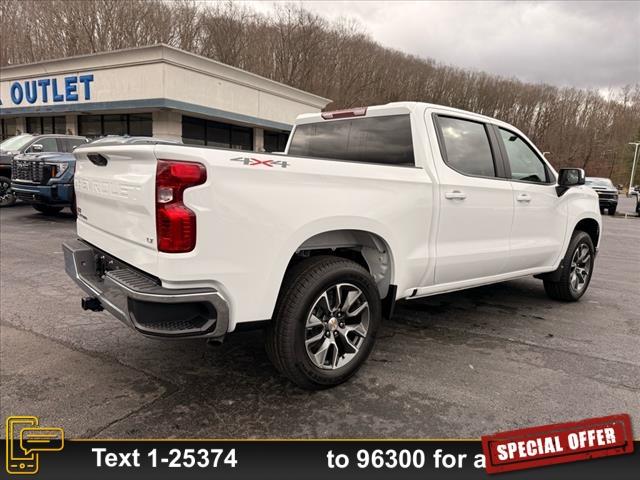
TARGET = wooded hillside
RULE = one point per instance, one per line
(337, 60)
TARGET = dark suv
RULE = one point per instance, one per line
(29, 144)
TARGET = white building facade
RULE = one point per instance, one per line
(156, 91)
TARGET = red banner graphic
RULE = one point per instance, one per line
(559, 443)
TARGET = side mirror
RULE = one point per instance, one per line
(36, 148)
(569, 177)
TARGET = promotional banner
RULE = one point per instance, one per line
(43, 451)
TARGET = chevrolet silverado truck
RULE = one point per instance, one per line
(607, 193)
(365, 207)
(24, 145)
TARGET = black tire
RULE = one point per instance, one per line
(302, 289)
(48, 209)
(563, 288)
(612, 210)
(7, 197)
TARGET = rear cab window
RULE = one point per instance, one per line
(68, 144)
(383, 140)
(465, 146)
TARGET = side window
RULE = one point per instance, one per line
(49, 144)
(68, 144)
(525, 164)
(466, 147)
(384, 140)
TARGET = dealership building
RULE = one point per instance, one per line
(156, 90)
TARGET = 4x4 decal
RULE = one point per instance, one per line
(252, 162)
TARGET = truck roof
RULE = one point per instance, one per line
(397, 108)
(55, 135)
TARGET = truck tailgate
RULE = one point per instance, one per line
(115, 194)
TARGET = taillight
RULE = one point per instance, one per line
(175, 223)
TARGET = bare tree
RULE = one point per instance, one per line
(334, 59)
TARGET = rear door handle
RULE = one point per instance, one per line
(455, 194)
(524, 197)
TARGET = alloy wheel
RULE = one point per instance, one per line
(580, 268)
(337, 326)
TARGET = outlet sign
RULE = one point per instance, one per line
(71, 88)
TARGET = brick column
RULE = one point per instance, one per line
(167, 124)
(258, 139)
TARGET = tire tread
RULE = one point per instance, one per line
(560, 290)
(280, 337)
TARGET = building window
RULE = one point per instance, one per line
(90, 125)
(275, 141)
(194, 131)
(34, 125)
(114, 125)
(40, 125)
(218, 135)
(140, 125)
(135, 124)
(7, 128)
(197, 131)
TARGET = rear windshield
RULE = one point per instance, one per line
(383, 140)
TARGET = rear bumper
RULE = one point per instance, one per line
(59, 194)
(140, 301)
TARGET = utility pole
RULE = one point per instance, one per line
(633, 168)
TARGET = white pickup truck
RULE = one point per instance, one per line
(365, 207)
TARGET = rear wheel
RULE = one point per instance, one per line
(325, 322)
(577, 269)
(7, 197)
(48, 209)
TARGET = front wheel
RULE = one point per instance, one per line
(7, 197)
(325, 322)
(612, 210)
(577, 269)
(48, 209)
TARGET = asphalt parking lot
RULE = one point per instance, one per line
(453, 366)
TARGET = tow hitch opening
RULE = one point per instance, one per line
(91, 303)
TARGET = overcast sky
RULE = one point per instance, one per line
(581, 44)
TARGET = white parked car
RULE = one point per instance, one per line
(366, 206)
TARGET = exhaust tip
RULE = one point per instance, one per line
(215, 341)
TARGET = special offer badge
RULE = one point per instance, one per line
(559, 443)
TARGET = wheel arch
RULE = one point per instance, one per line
(367, 248)
(591, 227)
